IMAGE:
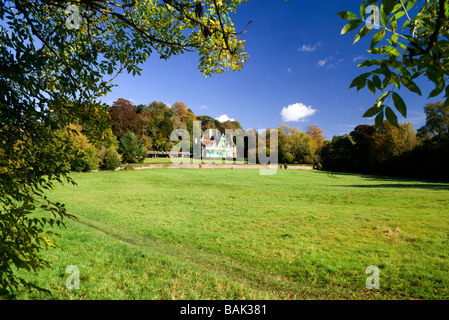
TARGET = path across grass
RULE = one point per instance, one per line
(234, 234)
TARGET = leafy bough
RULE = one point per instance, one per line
(404, 48)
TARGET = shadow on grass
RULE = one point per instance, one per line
(389, 182)
(426, 186)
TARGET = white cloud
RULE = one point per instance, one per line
(328, 64)
(357, 58)
(321, 63)
(289, 70)
(334, 65)
(224, 118)
(309, 47)
(204, 107)
(296, 112)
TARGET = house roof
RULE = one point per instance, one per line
(207, 142)
(164, 152)
(223, 140)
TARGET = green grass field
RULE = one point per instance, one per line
(234, 234)
(168, 161)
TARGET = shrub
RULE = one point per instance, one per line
(309, 158)
(288, 157)
(131, 148)
(111, 159)
(85, 160)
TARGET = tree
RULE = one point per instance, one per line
(159, 141)
(180, 110)
(375, 145)
(437, 121)
(53, 74)
(317, 135)
(391, 141)
(318, 139)
(363, 153)
(158, 108)
(336, 155)
(209, 123)
(177, 122)
(294, 145)
(415, 46)
(124, 118)
(106, 140)
(86, 158)
(111, 159)
(131, 148)
(232, 125)
(142, 108)
(369, 149)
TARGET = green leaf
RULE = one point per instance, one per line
(363, 32)
(391, 117)
(363, 10)
(360, 80)
(410, 4)
(447, 92)
(371, 112)
(399, 104)
(438, 88)
(435, 74)
(379, 119)
(377, 38)
(387, 79)
(421, 17)
(377, 82)
(388, 6)
(383, 16)
(409, 84)
(368, 63)
(399, 15)
(371, 87)
(394, 26)
(396, 81)
(406, 23)
(446, 102)
(403, 46)
(396, 8)
(395, 38)
(381, 99)
(350, 26)
(390, 50)
(347, 15)
(376, 51)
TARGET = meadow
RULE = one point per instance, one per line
(165, 162)
(234, 234)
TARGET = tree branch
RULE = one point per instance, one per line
(439, 23)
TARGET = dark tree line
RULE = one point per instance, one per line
(391, 150)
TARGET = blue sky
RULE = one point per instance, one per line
(297, 57)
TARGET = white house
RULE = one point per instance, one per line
(222, 148)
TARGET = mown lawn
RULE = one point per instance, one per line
(169, 161)
(234, 234)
